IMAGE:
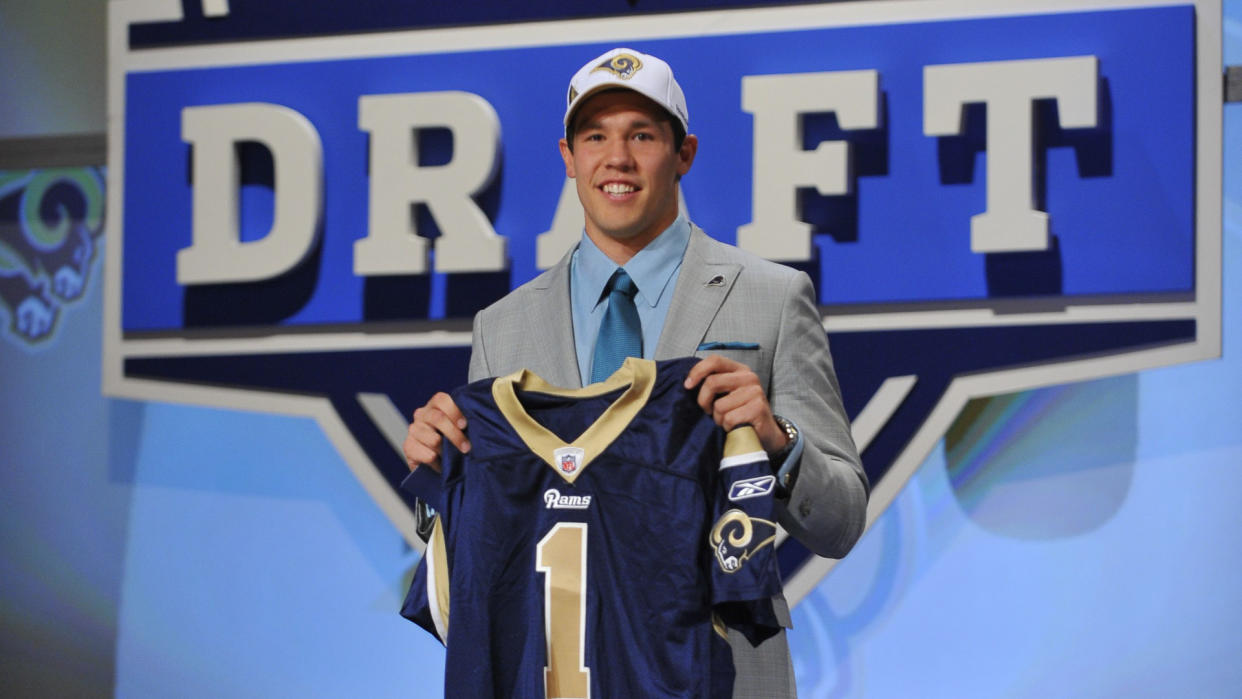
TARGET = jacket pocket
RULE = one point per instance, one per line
(715, 346)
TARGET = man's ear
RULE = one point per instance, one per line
(685, 156)
(568, 156)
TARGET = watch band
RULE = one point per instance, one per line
(786, 461)
(791, 433)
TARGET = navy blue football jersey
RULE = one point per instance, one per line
(595, 541)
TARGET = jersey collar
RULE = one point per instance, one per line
(636, 374)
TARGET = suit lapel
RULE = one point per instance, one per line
(552, 327)
(702, 285)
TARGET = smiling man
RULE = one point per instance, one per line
(625, 157)
(645, 281)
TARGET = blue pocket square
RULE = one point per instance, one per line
(728, 346)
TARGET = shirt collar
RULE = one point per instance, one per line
(651, 268)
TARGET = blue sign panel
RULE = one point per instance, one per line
(1119, 195)
(986, 200)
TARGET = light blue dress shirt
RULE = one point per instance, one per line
(654, 271)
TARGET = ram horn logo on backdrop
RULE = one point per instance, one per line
(50, 223)
(986, 202)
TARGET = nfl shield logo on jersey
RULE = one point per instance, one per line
(569, 459)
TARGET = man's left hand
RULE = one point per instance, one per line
(730, 392)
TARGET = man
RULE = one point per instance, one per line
(766, 364)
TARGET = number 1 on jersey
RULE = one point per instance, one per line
(561, 557)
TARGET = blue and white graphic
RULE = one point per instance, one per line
(988, 200)
(50, 223)
(752, 488)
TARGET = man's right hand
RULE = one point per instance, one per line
(437, 420)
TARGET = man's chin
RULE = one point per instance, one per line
(621, 234)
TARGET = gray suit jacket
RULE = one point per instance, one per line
(722, 295)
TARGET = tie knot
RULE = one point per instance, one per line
(622, 284)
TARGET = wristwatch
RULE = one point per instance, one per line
(785, 466)
(791, 433)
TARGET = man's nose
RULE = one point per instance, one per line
(619, 154)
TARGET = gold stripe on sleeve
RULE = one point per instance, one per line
(438, 581)
(742, 440)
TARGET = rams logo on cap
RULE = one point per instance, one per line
(622, 65)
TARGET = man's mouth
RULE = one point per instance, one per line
(618, 188)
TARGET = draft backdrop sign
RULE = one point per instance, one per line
(988, 200)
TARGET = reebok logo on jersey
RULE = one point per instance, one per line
(553, 500)
(752, 487)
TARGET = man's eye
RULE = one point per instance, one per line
(644, 136)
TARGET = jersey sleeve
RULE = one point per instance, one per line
(427, 602)
(744, 573)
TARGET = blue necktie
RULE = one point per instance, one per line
(621, 333)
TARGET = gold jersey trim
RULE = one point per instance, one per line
(742, 440)
(637, 374)
(438, 580)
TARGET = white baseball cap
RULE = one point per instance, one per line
(629, 70)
